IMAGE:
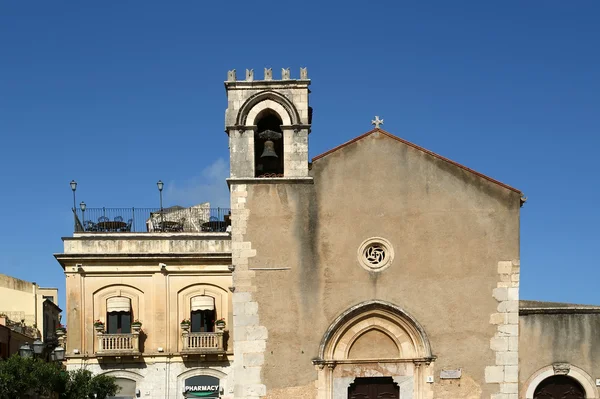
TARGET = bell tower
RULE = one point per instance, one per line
(268, 122)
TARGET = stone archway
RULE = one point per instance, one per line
(560, 369)
(559, 386)
(373, 339)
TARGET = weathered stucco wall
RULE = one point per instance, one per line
(449, 229)
(548, 338)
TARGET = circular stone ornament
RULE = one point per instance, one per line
(375, 254)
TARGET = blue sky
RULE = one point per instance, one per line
(117, 95)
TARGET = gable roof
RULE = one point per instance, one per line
(408, 143)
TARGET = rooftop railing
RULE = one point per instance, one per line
(152, 220)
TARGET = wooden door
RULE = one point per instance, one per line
(559, 387)
(374, 388)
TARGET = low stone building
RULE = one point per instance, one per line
(378, 270)
(559, 351)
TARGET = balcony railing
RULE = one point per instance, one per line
(152, 220)
(117, 344)
(202, 342)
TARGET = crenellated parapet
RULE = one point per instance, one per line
(267, 76)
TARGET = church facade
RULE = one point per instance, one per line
(377, 270)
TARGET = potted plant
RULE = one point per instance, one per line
(60, 330)
(99, 325)
(220, 324)
(136, 326)
(185, 324)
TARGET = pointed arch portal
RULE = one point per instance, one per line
(374, 339)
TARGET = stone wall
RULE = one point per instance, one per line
(449, 228)
(559, 339)
(505, 342)
(249, 336)
(158, 378)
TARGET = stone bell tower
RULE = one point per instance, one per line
(268, 122)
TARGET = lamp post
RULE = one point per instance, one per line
(25, 350)
(73, 188)
(82, 206)
(160, 186)
(37, 350)
(58, 354)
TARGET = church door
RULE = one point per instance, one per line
(559, 387)
(374, 388)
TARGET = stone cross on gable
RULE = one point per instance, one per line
(377, 122)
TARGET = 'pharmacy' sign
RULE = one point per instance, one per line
(202, 386)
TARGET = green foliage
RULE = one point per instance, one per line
(82, 384)
(22, 377)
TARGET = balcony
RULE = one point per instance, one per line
(117, 345)
(203, 343)
(198, 218)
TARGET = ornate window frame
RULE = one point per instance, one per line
(383, 246)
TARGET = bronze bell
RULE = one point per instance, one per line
(269, 150)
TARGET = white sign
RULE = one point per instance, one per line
(450, 374)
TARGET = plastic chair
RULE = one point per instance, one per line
(118, 219)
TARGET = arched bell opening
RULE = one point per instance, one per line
(268, 145)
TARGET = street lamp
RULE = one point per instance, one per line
(38, 347)
(160, 186)
(73, 188)
(58, 354)
(25, 350)
(82, 206)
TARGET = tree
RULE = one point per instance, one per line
(81, 384)
(24, 377)
(21, 377)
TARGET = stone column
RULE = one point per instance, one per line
(295, 150)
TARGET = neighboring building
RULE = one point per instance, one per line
(559, 350)
(378, 270)
(30, 307)
(179, 269)
(12, 336)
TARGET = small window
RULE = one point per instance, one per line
(203, 314)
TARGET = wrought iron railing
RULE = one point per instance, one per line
(116, 344)
(152, 220)
(201, 342)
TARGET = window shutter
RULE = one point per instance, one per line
(113, 323)
(126, 323)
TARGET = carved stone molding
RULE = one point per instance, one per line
(561, 368)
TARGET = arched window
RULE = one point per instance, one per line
(118, 315)
(268, 145)
(203, 314)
